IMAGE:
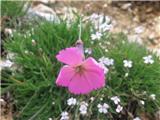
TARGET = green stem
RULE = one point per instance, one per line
(80, 29)
(38, 112)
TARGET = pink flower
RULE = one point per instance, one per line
(79, 75)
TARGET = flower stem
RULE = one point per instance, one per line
(80, 28)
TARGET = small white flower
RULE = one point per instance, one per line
(142, 102)
(64, 113)
(64, 116)
(148, 59)
(153, 96)
(96, 36)
(106, 50)
(126, 74)
(71, 101)
(6, 63)
(115, 99)
(83, 108)
(26, 51)
(111, 62)
(137, 118)
(53, 103)
(49, 118)
(88, 51)
(103, 108)
(127, 63)
(119, 109)
(101, 99)
(92, 98)
(106, 61)
(8, 31)
(33, 42)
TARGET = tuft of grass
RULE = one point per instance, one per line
(12, 8)
(33, 86)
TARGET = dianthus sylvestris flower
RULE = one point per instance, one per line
(80, 75)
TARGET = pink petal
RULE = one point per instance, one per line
(92, 65)
(92, 78)
(70, 56)
(65, 76)
(94, 73)
(79, 85)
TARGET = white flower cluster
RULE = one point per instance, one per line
(116, 101)
(83, 108)
(106, 61)
(147, 60)
(71, 101)
(96, 36)
(142, 102)
(103, 108)
(105, 27)
(64, 116)
(101, 22)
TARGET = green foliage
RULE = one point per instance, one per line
(12, 8)
(33, 82)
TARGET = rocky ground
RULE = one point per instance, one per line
(139, 20)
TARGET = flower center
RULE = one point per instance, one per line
(80, 69)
